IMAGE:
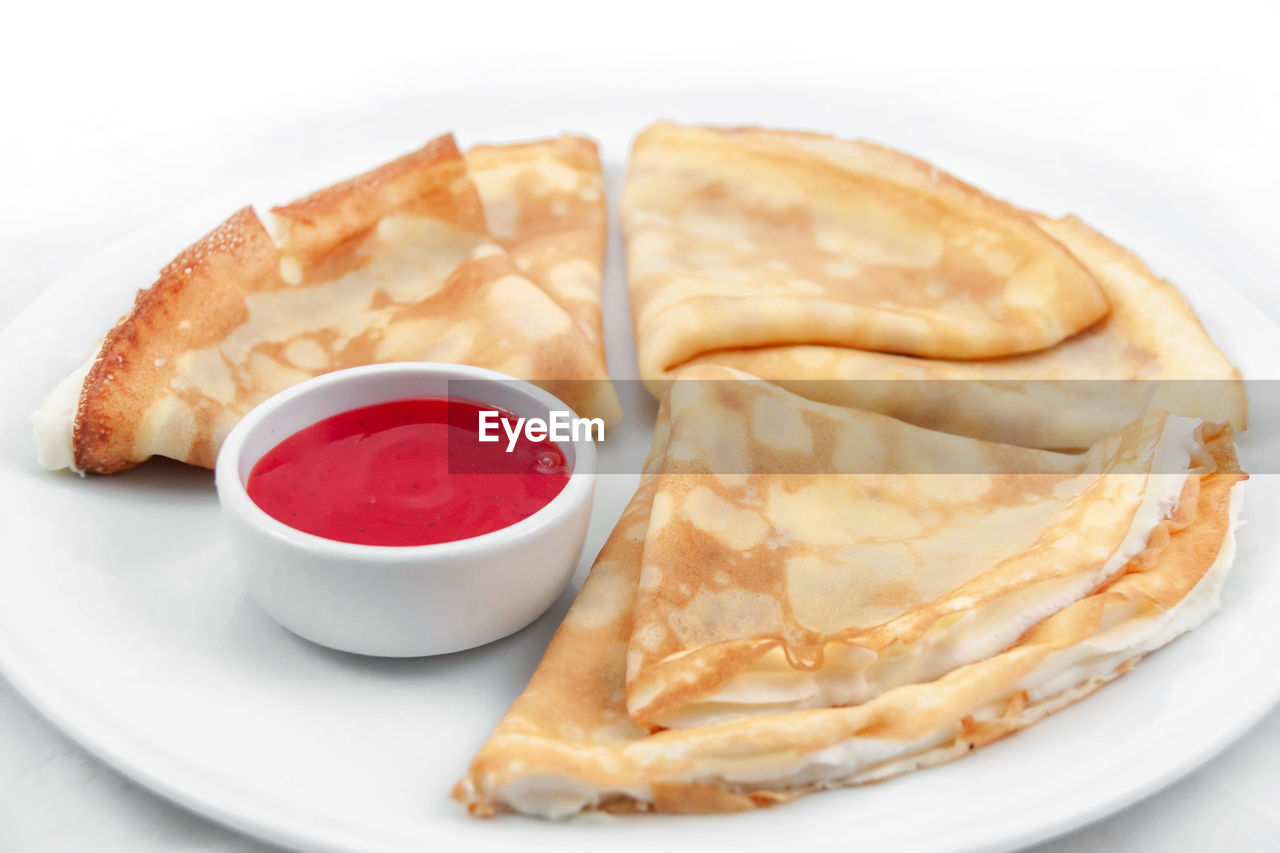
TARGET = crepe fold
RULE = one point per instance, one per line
(544, 203)
(805, 555)
(570, 742)
(747, 237)
(394, 265)
(1149, 352)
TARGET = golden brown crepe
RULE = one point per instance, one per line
(732, 261)
(1151, 352)
(804, 555)
(568, 743)
(745, 237)
(544, 203)
(394, 265)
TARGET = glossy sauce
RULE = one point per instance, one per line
(408, 472)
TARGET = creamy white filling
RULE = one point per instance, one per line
(54, 422)
(1060, 678)
(556, 797)
(852, 675)
(272, 224)
(1128, 639)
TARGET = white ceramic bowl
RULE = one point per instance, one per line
(401, 601)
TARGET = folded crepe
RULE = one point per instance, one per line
(1150, 352)
(569, 744)
(544, 204)
(746, 237)
(805, 555)
(394, 265)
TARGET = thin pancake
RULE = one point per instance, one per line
(544, 203)
(747, 237)
(394, 265)
(804, 555)
(1151, 352)
(567, 743)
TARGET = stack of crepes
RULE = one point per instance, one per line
(858, 275)
(807, 593)
(802, 596)
(492, 259)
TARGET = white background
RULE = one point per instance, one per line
(116, 115)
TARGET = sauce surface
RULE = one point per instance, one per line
(408, 472)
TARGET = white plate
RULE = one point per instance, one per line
(124, 621)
